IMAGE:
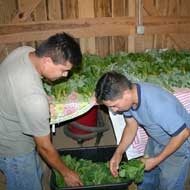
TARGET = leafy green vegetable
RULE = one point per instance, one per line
(168, 69)
(132, 170)
(98, 173)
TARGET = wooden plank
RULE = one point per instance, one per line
(150, 8)
(54, 10)
(118, 8)
(103, 9)
(132, 13)
(158, 41)
(40, 13)
(88, 27)
(181, 41)
(148, 42)
(102, 47)
(25, 9)
(171, 43)
(7, 11)
(69, 9)
(118, 43)
(166, 19)
(139, 43)
(184, 7)
(169, 8)
(163, 7)
(140, 39)
(2, 52)
(167, 28)
(69, 23)
(173, 8)
(86, 10)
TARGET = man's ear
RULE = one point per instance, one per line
(126, 93)
(46, 60)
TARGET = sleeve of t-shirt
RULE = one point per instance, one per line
(34, 116)
(127, 114)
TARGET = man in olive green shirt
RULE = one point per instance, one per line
(24, 111)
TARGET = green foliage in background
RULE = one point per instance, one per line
(98, 173)
(168, 68)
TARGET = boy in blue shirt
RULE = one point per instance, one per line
(164, 119)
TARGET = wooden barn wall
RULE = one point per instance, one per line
(167, 8)
(102, 26)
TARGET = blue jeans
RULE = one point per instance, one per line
(171, 174)
(22, 172)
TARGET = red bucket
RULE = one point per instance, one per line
(89, 119)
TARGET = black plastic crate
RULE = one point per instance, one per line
(96, 154)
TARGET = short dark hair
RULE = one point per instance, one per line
(111, 86)
(60, 48)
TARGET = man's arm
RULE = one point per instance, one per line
(50, 154)
(128, 135)
(174, 143)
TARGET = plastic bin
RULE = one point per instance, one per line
(96, 154)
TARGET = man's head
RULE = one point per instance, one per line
(59, 53)
(115, 91)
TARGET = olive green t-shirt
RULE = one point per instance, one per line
(24, 109)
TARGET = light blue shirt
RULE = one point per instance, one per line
(160, 113)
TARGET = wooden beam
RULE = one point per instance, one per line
(166, 19)
(87, 27)
(91, 27)
(167, 29)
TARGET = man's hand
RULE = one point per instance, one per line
(174, 143)
(71, 178)
(50, 154)
(128, 135)
(114, 164)
(150, 163)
